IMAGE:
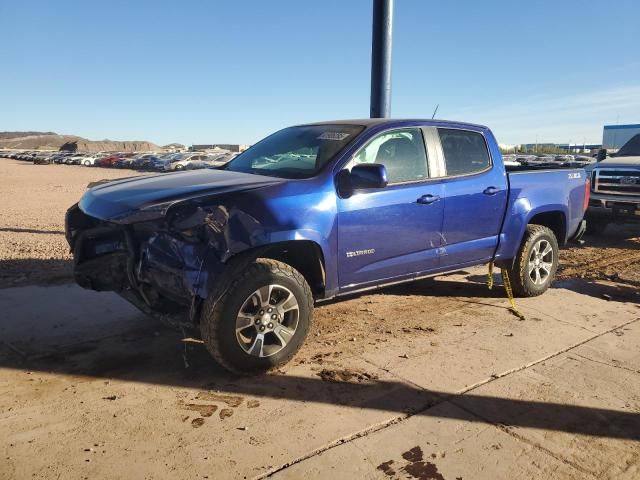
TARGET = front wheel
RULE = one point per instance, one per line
(536, 263)
(262, 318)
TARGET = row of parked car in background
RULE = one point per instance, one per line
(162, 162)
(194, 160)
(564, 160)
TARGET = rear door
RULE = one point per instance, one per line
(391, 232)
(476, 196)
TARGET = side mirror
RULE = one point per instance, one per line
(368, 175)
(602, 154)
(363, 176)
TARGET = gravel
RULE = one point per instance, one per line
(33, 249)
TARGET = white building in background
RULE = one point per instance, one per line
(504, 147)
(614, 136)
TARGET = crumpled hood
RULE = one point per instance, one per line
(145, 198)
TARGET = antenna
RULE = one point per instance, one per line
(434, 112)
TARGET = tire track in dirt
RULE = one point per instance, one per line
(596, 268)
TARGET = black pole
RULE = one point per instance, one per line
(381, 40)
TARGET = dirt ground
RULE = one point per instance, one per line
(432, 380)
(33, 249)
(614, 255)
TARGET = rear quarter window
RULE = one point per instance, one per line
(465, 152)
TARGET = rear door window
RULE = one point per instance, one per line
(465, 152)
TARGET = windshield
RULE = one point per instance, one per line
(295, 152)
(631, 148)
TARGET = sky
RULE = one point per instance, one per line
(234, 71)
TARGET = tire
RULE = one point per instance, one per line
(531, 283)
(596, 226)
(179, 167)
(87, 163)
(235, 315)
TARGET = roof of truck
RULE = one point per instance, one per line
(369, 122)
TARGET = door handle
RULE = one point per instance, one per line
(491, 190)
(428, 199)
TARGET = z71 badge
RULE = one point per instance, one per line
(574, 175)
(357, 253)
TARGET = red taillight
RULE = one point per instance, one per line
(587, 194)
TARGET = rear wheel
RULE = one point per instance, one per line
(261, 319)
(536, 264)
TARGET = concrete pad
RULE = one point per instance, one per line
(136, 402)
(581, 304)
(618, 349)
(444, 442)
(198, 420)
(564, 418)
(585, 412)
(482, 341)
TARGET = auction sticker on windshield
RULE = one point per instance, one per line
(333, 136)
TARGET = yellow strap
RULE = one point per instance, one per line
(490, 276)
(507, 287)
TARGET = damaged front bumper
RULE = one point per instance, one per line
(164, 273)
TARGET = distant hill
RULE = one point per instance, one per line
(7, 135)
(53, 141)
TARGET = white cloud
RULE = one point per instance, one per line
(576, 118)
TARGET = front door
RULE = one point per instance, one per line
(392, 232)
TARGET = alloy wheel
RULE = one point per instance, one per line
(541, 262)
(267, 320)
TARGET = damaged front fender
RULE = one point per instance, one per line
(173, 263)
(178, 269)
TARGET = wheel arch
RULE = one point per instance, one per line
(553, 217)
(555, 220)
(304, 255)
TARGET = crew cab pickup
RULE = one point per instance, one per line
(615, 182)
(314, 212)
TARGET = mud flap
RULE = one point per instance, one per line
(577, 237)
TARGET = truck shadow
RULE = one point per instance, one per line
(628, 292)
(434, 287)
(622, 234)
(17, 272)
(472, 288)
(613, 292)
(155, 356)
(31, 230)
(157, 359)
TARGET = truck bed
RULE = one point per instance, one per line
(536, 191)
(553, 184)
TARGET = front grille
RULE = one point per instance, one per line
(618, 181)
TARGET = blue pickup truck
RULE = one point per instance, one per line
(314, 212)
